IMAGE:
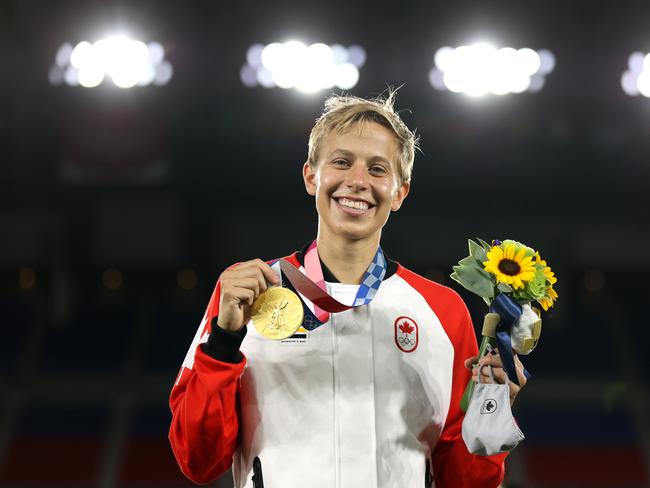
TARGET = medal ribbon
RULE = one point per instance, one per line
(509, 311)
(312, 286)
(315, 273)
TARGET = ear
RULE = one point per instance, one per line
(402, 191)
(309, 176)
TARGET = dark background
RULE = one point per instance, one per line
(120, 208)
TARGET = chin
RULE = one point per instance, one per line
(355, 233)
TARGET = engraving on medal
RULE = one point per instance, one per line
(277, 313)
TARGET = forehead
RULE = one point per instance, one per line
(364, 139)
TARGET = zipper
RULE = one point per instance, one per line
(428, 477)
(258, 479)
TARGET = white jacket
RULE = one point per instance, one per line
(366, 400)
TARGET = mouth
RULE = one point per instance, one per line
(353, 206)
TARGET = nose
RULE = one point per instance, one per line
(357, 176)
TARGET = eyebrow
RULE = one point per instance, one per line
(348, 154)
(343, 152)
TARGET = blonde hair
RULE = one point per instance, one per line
(341, 112)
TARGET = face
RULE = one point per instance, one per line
(356, 181)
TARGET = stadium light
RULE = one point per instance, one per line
(125, 61)
(482, 69)
(308, 69)
(636, 79)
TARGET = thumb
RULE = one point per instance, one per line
(470, 362)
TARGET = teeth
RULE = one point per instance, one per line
(353, 204)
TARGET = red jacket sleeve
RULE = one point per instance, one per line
(453, 465)
(204, 428)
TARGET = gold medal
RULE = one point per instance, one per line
(277, 313)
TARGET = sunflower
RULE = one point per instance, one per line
(548, 273)
(549, 300)
(550, 276)
(510, 265)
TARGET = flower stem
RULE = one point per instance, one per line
(469, 389)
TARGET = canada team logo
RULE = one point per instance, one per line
(489, 406)
(406, 334)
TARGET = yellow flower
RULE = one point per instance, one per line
(510, 265)
(550, 276)
(548, 273)
(549, 300)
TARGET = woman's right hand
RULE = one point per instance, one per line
(240, 286)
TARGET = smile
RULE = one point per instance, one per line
(355, 207)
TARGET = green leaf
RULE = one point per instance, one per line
(475, 280)
(503, 288)
(476, 251)
(471, 262)
(485, 245)
(455, 277)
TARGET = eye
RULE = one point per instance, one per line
(378, 169)
(341, 162)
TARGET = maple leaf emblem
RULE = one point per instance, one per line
(406, 328)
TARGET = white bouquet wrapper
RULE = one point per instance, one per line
(525, 332)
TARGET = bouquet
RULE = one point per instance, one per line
(508, 275)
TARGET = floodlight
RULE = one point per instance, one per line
(628, 82)
(126, 62)
(164, 73)
(254, 55)
(305, 68)
(482, 69)
(636, 79)
(63, 54)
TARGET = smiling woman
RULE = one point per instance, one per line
(243, 400)
(359, 170)
(356, 183)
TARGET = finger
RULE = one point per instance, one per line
(270, 274)
(485, 378)
(248, 283)
(246, 296)
(470, 362)
(253, 268)
(252, 279)
(476, 369)
(259, 268)
(519, 367)
(499, 375)
(241, 294)
(246, 270)
(252, 284)
(485, 375)
(495, 361)
(257, 274)
(492, 360)
(475, 374)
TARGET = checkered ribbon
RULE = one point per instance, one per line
(371, 280)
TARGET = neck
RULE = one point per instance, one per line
(348, 260)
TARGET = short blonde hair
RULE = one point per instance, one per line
(343, 111)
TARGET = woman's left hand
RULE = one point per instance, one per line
(494, 360)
